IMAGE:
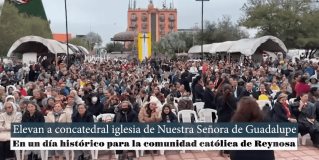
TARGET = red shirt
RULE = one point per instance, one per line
(23, 92)
(301, 88)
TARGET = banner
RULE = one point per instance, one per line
(144, 46)
(154, 136)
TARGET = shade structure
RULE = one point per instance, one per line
(246, 47)
(42, 46)
(125, 36)
(198, 49)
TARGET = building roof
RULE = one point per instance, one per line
(61, 37)
(125, 36)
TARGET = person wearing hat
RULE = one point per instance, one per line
(281, 111)
(151, 111)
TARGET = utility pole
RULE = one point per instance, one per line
(202, 50)
(67, 34)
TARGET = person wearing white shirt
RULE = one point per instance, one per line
(6, 118)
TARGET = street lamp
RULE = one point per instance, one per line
(202, 50)
(67, 34)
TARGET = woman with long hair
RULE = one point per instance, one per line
(249, 111)
(226, 104)
(167, 115)
(58, 115)
(150, 112)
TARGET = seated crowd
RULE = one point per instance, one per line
(147, 93)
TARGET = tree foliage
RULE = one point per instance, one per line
(223, 30)
(172, 43)
(14, 25)
(93, 39)
(80, 42)
(293, 21)
(114, 47)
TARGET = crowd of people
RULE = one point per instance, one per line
(144, 92)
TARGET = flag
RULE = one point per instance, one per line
(144, 46)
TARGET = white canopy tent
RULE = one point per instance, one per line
(223, 47)
(42, 46)
(246, 47)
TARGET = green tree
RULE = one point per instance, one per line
(14, 25)
(114, 47)
(223, 30)
(93, 39)
(80, 42)
(171, 44)
(295, 22)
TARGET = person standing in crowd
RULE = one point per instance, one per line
(306, 117)
(237, 90)
(6, 118)
(226, 104)
(186, 79)
(248, 111)
(301, 86)
(198, 89)
(209, 96)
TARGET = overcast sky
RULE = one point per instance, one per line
(108, 17)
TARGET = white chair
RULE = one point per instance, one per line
(186, 116)
(27, 97)
(263, 103)
(101, 116)
(94, 118)
(137, 153)
(198, 106)
(292, 100)
(303, 139)
(176, 100)
(205, 115)
(161, 153)
(21, 153)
